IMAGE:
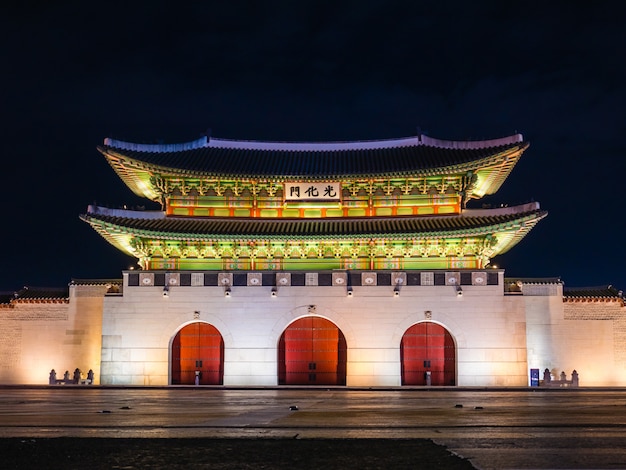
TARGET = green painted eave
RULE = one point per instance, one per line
(505, 227)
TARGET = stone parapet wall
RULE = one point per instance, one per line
(540, 289)
(36, 312)
(608, 310)
(38, 335)
(91, 291)
(593, 310)
(32, 341)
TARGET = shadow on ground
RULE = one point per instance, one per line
(115, 453)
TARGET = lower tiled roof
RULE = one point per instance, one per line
(41, 294)
(6, 297)
(203, 228)
(598, 292)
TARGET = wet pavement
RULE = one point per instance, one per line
(493, 428)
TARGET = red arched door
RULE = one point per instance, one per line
(428, 349)
(312, 351)
(198, 347)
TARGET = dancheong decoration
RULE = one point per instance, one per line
(399, 204)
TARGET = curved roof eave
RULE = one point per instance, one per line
(172, 228)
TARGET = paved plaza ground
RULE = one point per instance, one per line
(211, 427)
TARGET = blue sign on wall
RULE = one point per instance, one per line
(534, 377)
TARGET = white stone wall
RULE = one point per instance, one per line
(586, 336)
(36, 337)
(489, 330)
(32, 338)
(126, 339)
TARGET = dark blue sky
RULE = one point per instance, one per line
(323, 70)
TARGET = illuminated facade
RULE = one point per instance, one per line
(341, 263)
(383, 205)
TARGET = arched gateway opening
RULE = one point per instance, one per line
(312, 351)
(198, 347)
(428, 355)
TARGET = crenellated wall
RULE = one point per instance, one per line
(488, 328)
(126, 338)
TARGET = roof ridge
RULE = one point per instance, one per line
(412, 141)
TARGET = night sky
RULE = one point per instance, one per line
(311, 71)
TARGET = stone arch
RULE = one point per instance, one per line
(197, 349)
(289, 316)
(312, 351)
(428, 355)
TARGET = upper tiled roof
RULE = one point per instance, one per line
(250, 159)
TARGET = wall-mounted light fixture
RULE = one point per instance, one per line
(227, 292)
(459, 291)
(166, 291)
(274, 292)
(396, 289)
(349, 291)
